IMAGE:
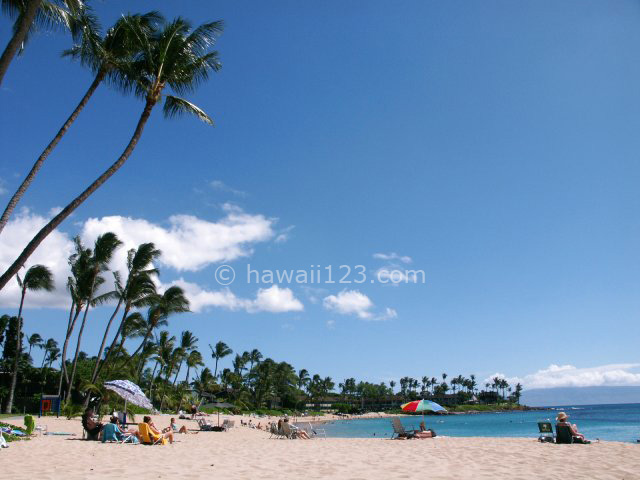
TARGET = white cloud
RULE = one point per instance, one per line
(189, 243)
(53, 253)
(273, 299)
(349, 302)
(354, 302)
(220, 186)
(284, 234)
(392, 256)
(571, 376)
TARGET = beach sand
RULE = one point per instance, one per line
(245, 453)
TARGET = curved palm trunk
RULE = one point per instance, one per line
(18, 37)
(43, 156)
(75, 357)
(14, 375)
(140, 347)
(112, 347)
(177, 372)
(186, 379)
(64, 375)
(94, 375)
(71, 207)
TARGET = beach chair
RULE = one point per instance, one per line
(150, 438)
(546, 432)
(399, 430)
(204, 425)
(287, 431)
(273, 430)
(111, 433)
(227, 424)
(564, 435)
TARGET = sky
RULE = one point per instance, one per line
(487, 152)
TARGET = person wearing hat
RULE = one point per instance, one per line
(563, 420)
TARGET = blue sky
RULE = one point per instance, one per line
(494, 143)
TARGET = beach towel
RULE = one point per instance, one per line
(3, 442)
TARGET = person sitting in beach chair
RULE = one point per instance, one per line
(150, 434)
(566, 432)
(111, 433)
(91, 425)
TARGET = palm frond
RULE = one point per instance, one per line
(175, 106)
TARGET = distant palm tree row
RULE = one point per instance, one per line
(142, 53)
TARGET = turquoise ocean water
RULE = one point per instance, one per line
(605, 422)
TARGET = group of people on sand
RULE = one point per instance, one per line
(95, 428)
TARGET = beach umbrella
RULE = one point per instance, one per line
(423, 406)
(221, 405)
(130, 392)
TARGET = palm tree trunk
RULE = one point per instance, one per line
(94, 375)
(14, 375)
(43, 156)
(127, 307)
(186, 379)
(140, 347)
(64, 375)
(18, 37)
(71, 207)
(153, 379)
(75, 357)
(177, 372)
(44, 359)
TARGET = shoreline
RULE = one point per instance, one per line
(244, 452)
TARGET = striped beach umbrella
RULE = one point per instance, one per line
(423, 406)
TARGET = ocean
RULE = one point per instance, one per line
(619, 422)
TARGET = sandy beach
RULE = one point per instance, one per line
(244, 453)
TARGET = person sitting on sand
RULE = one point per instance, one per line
(155, 431)
(563, 420)
(174, 427)
(92, 426)
(424, 432)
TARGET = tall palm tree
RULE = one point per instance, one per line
(34, 340)
(254, 358)
(173, 300)
(194, 360)
(4, 323)
(176, 56)
(221, 351)
(77, 284)
(38, 277)
(28, 15)
(48, 346)
(105, 56)
(303, 378)
(103, 250)
(138, 291)
(188, 343)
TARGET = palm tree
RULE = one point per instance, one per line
(48, 347)
(34, 340)
(173, 300)
(77, 284)
(188, 342)
(28, 15)
(106, 56)
(103, 250)
(303, 378)
(221, 351)
(254, 358)
(38, 277)
(138, 291)
(194, 360)
(392, 385)
(4, 323)
(176, 57)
